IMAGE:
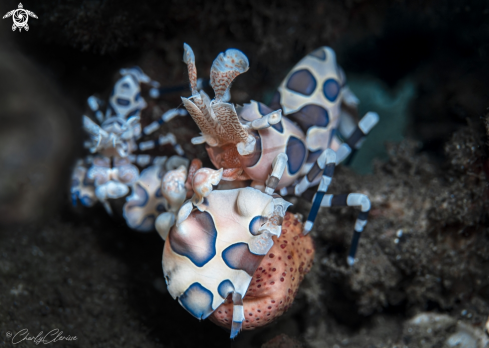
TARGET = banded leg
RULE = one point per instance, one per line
(351, 200)
(342, 149)
(278, 167)
(321, 191)
(328, 157)
(162, 140)
(357, 137)
(238, 314)
(167, 116)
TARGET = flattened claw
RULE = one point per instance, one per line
(205, 123)
(225, 68)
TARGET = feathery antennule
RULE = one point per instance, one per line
(199, 118)
(198, 105)
(234, 132)
(203, 102)
(189, 59)
(217, 120)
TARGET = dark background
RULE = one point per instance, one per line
(90, 276)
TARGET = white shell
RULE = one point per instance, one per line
(220, 243)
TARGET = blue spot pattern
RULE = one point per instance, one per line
(238, 256)
(263, 109)
(313, 155)
(125, 85)
(225, 288)
(278, 127)
(309, 116)
(133, 112)
(302, 82)
(122, 101)
(197, 300)
(331, 89)
(256, 223)
(142, 201)
(205, 232)
(296, 152)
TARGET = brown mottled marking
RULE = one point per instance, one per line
(234, 132)
(192, 73)
(220, 81)
(204, 103)
(202, 122)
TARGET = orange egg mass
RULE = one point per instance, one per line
(276, 281)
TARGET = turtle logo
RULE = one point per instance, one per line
(20, 17)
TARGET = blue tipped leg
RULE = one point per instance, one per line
(327, 161)
(238, 314)
(351, 200)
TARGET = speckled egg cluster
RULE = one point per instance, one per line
(276, 281)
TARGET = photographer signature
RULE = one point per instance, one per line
(52, 336)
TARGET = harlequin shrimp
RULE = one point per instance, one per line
(248, 141)
(234, 255)
(217, 241)
(115, 140)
